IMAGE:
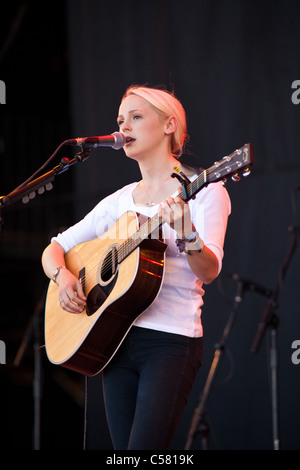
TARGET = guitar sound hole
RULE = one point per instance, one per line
(108, 274)
(109, 266)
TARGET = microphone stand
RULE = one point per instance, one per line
(33, 331)
(198, 423)
(27, 192)
(270, 320)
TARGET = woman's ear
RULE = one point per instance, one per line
(171, 125)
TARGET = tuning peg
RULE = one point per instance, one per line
(224, 181)
(235, 177)
(246, 172)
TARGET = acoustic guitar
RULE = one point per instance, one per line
(121, 273)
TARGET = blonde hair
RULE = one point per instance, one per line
(167, 104)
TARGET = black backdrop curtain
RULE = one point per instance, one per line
(235, 66)
(232, 63)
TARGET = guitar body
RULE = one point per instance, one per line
(117, 293)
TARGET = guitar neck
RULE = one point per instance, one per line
(239, 161)
(155, 222)
(145, 230)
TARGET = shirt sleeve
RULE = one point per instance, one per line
(210, 211)
(98, 220)
(93, 225)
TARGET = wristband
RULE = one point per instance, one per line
(191, 242)
(196, 245)
(56, 273)
(191, 236)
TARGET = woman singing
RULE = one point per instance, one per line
(147, 382)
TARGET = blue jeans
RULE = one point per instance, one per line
(146, 386)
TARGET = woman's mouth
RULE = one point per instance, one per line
(129, 140)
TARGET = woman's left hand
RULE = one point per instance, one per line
(176, 213)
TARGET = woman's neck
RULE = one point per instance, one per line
(155, 172)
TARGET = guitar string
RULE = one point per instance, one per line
(131, 243)
(125, 249)
(135, 239)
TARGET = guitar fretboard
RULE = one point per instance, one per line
(146, 229)
(153, 223)
(228, 166)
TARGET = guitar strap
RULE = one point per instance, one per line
(195, 169)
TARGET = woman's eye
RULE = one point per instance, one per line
(120, 122)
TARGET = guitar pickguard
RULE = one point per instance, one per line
(107, 277)
(97, 296)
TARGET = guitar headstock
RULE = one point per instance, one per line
(232, 165)
(237, 162)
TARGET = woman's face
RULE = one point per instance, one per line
(143, 127)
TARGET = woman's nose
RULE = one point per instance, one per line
(125, 126)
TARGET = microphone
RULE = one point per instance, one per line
(253, 286)
(115, 140)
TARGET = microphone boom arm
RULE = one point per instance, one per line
(28, 191)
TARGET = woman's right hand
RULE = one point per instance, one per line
(70, 294)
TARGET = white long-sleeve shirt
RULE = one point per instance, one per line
(177, 307)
